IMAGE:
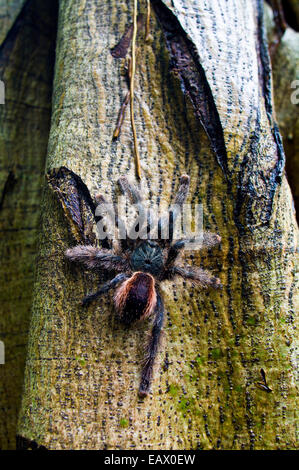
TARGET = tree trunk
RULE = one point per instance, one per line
(285, 63)
(210, 116)
(26, 68)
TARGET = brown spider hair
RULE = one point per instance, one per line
(135, 298)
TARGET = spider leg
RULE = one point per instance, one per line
(174, 252)
(129, 190)
(209, 239)
(104, 288)
(152, 348)
(148, 230)
(135, 198)
(114, 218)
(170, 218)
(198, 275)
(93, 258)
(206, 240)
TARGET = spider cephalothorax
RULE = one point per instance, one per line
(147, 257)
(139, 266)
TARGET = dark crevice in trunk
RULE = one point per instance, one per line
(288, 12)
(8, 187)
(276, 174)
(245, 215)
(78, 205)
(25, 19)
(186, 64)
(290, 15)
(264, 60)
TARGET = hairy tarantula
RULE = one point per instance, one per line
(140, 265)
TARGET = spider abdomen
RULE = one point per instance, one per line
(136, 298)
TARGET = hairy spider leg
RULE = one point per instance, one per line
(112, 213)
(204, 278)
(135, 198)
(104, 288)
(206, 240)
(130, 190)
(174, 211)
(148, 231)
(152, 348)
(95, 258)
(173, 253)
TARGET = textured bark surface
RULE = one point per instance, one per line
(285, 66)
(83, 367)
(285, 72)
(26, 67)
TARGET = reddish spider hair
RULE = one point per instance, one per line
(136, 298)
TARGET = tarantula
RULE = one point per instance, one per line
(138, 268)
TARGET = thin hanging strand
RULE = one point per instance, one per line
(148, 17)
(133, 66)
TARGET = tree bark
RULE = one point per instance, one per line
(211, 117)
(26, 68)
(285, 63)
